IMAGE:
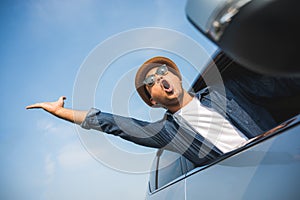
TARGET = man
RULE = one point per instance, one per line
(191, 126)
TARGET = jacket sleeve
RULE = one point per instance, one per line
(139, 132)
(165, 133)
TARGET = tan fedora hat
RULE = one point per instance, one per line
(143, 70)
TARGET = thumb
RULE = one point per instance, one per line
(62, 98)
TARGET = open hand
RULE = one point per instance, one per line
(51, 107)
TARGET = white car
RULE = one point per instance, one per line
(269, 166)
(266, 168)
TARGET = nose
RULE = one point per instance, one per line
(158, 78)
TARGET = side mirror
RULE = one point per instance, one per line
(260, 35)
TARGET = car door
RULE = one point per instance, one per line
(270, 169)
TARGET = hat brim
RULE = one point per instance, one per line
(144, 69)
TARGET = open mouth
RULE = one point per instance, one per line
(167, 87)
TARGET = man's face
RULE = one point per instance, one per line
(167, 89)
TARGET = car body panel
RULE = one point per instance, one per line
(268, 170)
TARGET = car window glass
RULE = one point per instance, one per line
(169, 168)
(189, 165)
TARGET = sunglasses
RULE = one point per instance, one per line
(161, 71)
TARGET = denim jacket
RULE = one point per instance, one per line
(175, 134)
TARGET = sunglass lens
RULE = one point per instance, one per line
(162, 70)
(150, 80)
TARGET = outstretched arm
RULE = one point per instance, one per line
(57, 109)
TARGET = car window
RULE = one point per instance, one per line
(166, 167)
(188, 165)
(169, 168)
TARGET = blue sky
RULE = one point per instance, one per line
(44, 47)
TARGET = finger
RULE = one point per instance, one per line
(62, 98)
(37, 105)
